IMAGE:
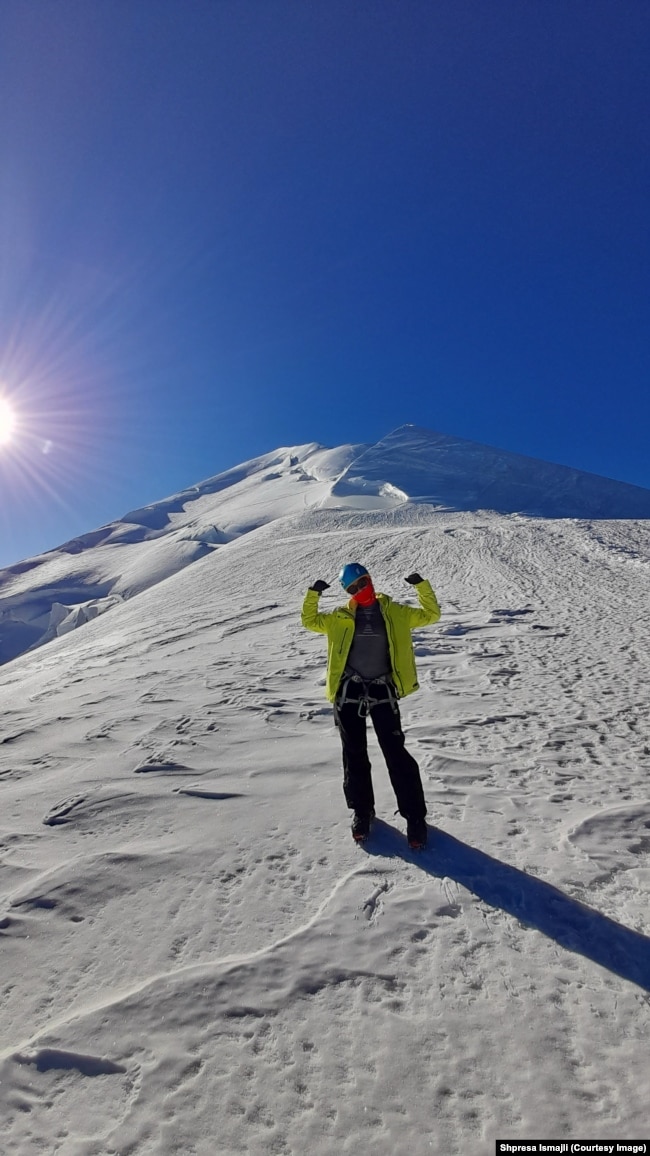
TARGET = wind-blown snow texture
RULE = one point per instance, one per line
(45, 597)
(196, 958)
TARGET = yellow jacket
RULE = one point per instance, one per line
(400, 620)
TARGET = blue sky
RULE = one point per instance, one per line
(229, 226)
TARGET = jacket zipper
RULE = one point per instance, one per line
(391, 647)
(343, 641)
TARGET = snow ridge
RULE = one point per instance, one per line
(44, 598)
(199, 959)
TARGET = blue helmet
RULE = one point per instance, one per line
(350, 573)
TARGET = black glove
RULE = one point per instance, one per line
(414, 578)
(319, 586)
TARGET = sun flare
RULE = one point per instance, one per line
(7, 421)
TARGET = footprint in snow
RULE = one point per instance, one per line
(48, 1059)
(154, 765)
(62, 812)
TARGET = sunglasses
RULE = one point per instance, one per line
(360, 584)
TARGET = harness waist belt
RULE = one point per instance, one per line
(366, 700)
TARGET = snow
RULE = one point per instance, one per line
(147, 545)
(198, 959)
(463, 475)
(410, 466)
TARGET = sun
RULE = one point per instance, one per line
(7, 421)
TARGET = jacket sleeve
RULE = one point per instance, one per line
(310, 616)
(429, 610)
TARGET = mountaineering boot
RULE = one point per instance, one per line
(361, 821)
(417, 833)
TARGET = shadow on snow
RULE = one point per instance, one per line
(570, 923)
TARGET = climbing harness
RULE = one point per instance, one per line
(366, 699)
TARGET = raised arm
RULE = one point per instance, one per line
(310, 617)
(429, 610)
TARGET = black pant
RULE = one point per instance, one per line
(403, 770)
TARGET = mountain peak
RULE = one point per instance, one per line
(45, 597)
(454, 473)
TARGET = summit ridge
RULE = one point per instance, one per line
(45, 597)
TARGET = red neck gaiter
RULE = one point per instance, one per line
(365, 597)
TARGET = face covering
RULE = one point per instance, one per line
(366, 596)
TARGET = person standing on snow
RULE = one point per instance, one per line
(370, 665)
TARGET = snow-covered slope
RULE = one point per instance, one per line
(198, 959)
(45, 597)
(418, 465)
